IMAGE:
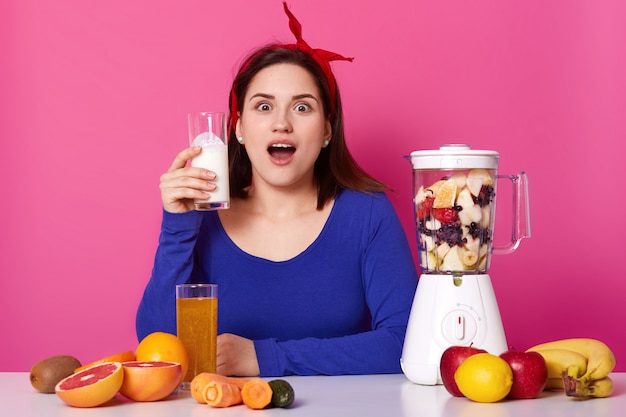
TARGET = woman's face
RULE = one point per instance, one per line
(283, 125)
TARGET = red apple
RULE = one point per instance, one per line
(530, 373)
(451, 358)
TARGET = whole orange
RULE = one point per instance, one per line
(163, 347)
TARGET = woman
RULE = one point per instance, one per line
(314, 271)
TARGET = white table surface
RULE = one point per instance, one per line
(321, 396)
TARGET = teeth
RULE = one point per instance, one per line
(281, 145)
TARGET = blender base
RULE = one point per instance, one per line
(450, 311)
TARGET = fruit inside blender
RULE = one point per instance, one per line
(454, 216)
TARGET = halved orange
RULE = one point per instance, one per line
(129, 355)
(150, 381)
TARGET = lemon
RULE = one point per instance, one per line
(484, 378)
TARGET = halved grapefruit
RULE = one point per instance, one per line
(150, 381)
(93, 386)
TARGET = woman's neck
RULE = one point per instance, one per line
(288, 218)
(280, 202)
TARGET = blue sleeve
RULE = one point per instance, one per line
(173, 265)
(389, 280)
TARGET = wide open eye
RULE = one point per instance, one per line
(264, 107)
(302, 107)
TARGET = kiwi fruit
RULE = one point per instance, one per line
(46, 374)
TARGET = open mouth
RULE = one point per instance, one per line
(281, 150)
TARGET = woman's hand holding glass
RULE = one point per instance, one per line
(181, 184)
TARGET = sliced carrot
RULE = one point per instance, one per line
(202, 379)
(256, 393)
(221, 394)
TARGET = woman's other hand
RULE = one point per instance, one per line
(181, 184)
(236, 356)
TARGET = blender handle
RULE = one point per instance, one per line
(521, 213)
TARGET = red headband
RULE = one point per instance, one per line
(320, 56)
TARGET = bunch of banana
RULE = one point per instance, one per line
(580, 366)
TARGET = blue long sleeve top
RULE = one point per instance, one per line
(339, 307)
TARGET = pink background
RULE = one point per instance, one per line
(94, 98)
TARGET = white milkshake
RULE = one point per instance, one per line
(214, 157)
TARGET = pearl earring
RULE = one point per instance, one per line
(326, 142)
(240, 139)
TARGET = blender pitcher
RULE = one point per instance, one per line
(455, 305)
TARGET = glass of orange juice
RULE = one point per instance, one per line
(196, 326)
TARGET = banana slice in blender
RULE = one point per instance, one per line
(469, 258)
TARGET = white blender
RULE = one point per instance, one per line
(455, 305)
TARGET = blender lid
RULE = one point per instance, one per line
(454, 156)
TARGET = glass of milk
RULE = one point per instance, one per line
(208, 130)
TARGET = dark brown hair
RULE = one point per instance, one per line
(335, 168)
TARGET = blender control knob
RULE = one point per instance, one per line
(459, 327)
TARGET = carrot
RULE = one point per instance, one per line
(257, 393)
(202, 379)
(221, 394)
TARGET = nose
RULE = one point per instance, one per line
(281, 121)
